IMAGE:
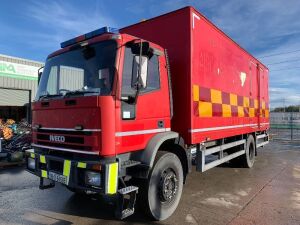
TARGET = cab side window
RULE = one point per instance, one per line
(130, 73)
(127, 89)
(153, 82)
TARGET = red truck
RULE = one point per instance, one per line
(121, 112)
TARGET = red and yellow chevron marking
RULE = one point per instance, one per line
(215, 103)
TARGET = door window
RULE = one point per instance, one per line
(130, 74)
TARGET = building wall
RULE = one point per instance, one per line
(25, 77)
(7, 82)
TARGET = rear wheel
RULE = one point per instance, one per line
(162, 192)
(247, 160)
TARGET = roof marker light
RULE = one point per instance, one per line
(89, 35)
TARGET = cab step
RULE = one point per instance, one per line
(129, 163)
(125, 202)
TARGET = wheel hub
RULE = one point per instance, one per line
(168, 186)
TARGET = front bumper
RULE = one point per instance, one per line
(72, 172)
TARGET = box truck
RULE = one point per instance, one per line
(126, 113)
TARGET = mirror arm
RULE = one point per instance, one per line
(40, 73)
(139, 75)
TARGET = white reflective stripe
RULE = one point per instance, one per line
(264, 123)
(138, 132)
(67, 129)
(223, 128)
(64, 149)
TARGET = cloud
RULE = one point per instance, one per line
(261, 27)
(63, 17)
(56, 21)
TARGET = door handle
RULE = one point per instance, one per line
(160, 124)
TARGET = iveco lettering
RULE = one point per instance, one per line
(57, 138)
(130, 111)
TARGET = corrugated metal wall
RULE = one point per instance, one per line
(14, 83)
(12, 97)
(20, 61)
(7, 82)
(71, 78)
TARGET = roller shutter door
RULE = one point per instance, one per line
(11, 97)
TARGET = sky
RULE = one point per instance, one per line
(33, 29)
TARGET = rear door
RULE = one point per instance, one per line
(254, 93)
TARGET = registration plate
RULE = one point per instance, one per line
(58, 178)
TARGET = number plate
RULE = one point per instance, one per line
(58, 178)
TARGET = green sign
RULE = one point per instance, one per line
(18, 71)
(7, 68)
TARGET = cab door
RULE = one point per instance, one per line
(150, 115)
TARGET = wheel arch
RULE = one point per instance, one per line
(168, 141)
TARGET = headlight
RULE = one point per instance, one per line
(31, 163)
(92, 178)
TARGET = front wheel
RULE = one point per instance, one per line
(163, 188)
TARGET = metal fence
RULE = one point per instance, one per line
(285, 125)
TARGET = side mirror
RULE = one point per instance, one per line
(143, 73)
(40, 72)
(136, 48)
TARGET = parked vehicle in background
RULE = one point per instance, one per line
(124, 111)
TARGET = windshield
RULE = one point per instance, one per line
(87, 70)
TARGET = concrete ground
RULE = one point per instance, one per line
(269, 193)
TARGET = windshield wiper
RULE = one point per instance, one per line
(49, 96)
(76, 92)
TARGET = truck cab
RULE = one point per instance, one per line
(101, 98)
(92, 86)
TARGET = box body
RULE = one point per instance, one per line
(219, 89)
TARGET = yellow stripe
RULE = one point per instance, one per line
(226, 110)
(267, 113)
(67, 168)
(112, 178)
(252, 112)
(42, 159)
(233, 100)
(81, 165)
(32, 155)
(216, 96)
(246, 102)
(44, 173)
(240, 111)
(196, 93)
(205, 109)
(255, 103)
(263, 105)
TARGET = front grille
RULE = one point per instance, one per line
(68, 139)
(71, 132)
(75, 147)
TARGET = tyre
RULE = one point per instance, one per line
(247, 160)
(249, 157)
(161, 192)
